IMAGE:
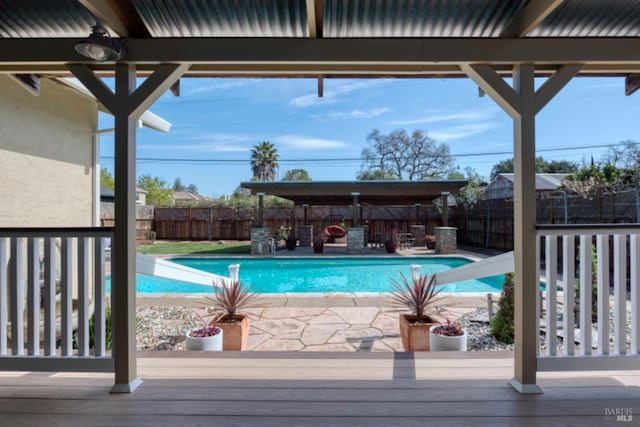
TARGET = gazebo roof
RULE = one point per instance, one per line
(387, 193)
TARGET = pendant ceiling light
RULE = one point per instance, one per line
(100, 46)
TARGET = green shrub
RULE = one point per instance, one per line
(502, 324)
(594, 285)
(92, 322)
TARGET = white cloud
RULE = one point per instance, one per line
(208, 142)
(444, 117)
(354, 114)
(331, 96)
(217, 85)
(461, 131)
(302, 142)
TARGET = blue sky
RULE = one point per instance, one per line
(216, 122)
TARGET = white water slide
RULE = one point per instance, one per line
(499, 264)
(152, 266)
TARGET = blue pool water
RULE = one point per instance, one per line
(276, 275)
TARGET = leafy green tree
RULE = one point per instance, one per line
(296, 175)
(472, 192)
(157, 191)
(192, 188)
(598, 177)
(264, 161)
(542, 166)
(403, 156)
(106, 179)
(375, 175)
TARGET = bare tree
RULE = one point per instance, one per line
(405, 157)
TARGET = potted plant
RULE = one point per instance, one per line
(448, 337)
(291, 242)
(417, 295)
(152, 236)
(206, 338)
(430, 241)
(391, 241)
(230, 297)
(318, 243)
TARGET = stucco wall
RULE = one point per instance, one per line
(46, 156)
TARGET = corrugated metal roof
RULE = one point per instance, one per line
(44, 18)
(592, 18)
(340, 18)
(418, 18)
(544, 181)
(224, 18)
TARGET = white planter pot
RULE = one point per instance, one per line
(212, 343)
(443, 343)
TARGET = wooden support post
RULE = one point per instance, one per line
(522, 102)
(126, 104)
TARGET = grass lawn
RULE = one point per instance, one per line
(199, 248)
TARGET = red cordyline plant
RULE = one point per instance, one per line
(231, 296)
(417, 294)
(450, 329)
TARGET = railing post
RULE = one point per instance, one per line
(4, 306)
(585, 294)
(33, 296)
(16, 297)
(602, 249)
(620, 291)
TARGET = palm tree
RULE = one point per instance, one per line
(264, 161)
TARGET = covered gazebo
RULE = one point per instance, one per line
(354, 193)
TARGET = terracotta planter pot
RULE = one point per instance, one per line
(390, 246)
(415, 336)
(236, 334)
(291, 243)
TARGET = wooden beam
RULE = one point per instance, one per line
(175, 88)
(529, 17)
(119, 15)
(631, 84)
(554, 84)
(494, 85)
(359, 51)
(320, 86)
(95, 85)
(314, 18)
(153, 87)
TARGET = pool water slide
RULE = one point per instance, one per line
(152, 266)
(499, 264)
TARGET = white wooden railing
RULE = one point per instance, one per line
(613, 342)
(59, 275)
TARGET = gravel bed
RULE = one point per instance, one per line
(163, 328)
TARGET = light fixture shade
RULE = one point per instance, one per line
(100, 46)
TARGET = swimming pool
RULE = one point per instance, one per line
(323, 275)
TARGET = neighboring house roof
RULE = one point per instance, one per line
(147, 119)
(185, 196)
(109, 193)
(544, 181)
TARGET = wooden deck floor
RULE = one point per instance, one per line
(319, 389)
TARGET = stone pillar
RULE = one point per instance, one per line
(305, 235)
(260, 241)
(446, 240)
(355, 240)
(418, 232)
(260, 209)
